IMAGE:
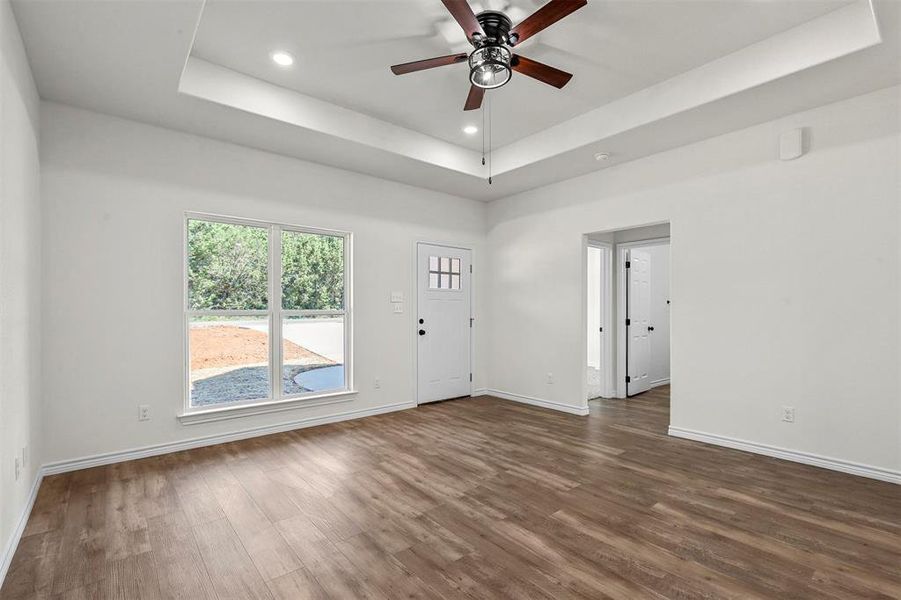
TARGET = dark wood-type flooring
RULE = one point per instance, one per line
(476, 498)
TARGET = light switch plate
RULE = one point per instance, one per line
(397, 296)
(398, 308)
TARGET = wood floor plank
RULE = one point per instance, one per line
(472, 499)
(50, 505)
(83, 546)
(231, 569)
(297, 585)
(382, 569)
(266, 548)
(32, 568)
(130, 578)
(179, 565)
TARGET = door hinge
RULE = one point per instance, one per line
(470, 267)
(628, 322)
(471, 319)
(628, 264)
(602, 330)
(470, 376)
(628, 379)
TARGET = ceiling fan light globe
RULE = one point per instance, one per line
(489, 66)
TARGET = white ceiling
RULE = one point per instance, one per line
(344, 49)
(649, 75)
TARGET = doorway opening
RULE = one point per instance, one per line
(627, 320)
(599, 318)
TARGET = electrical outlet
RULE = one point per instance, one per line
(550, 378)
(788, 414)
(398, 308)
(144, 412)
(377, 384)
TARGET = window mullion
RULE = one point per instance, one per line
(275, 310)
(227, 313)
(313, 313)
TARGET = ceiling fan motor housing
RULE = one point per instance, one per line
(496, 26)
(489, 63)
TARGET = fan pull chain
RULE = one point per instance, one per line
(483, 136)
(489, 137)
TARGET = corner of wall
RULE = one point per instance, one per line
(21, 423)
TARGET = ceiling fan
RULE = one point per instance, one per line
(492, 35)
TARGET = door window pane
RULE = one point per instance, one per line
(229, 359)
(312, 354)
(444, 273)
(227, 266)
(312, 271)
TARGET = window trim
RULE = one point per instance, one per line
(276, 400)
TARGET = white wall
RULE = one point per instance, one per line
(115, 193)
(783, 256)
(20, 266)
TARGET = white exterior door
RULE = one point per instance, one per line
(638, 300)
(443, 322)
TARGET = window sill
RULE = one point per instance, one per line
(234, 412)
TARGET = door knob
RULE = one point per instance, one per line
(650, 328)
(422, 332)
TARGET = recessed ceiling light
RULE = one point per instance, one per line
(470, 130)
(282, 59)
(601, 156)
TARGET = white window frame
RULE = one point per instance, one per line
(276, 315)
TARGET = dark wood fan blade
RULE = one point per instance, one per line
(429, 63)
(544, 17)
(540, 71)
(474, 99)
(462, 13)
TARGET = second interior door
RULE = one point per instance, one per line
(638, 300)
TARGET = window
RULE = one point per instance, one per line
(444, 273)
(266, 312)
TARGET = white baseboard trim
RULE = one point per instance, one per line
(806, 458)
(567, 408)
(108, 458)
(13, 542)
(660, 382)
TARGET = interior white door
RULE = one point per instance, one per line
(443, 322)
(638, 300)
